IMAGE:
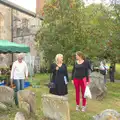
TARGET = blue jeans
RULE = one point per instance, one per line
(19, 83)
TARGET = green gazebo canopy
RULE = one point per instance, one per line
(11, 47)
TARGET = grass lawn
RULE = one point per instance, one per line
(112, 101)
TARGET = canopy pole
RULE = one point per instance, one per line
(12, 29)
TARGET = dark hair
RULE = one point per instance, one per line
(80, 54)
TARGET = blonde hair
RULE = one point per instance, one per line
(20, 55)
(56, 57)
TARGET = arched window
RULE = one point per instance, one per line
(1, 26)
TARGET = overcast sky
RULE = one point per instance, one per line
(31, 4)
(28, 4)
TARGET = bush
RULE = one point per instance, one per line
(5, 75)
(70, 69)
(117, 75)
(5, 71)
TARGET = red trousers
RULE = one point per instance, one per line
(80, 84)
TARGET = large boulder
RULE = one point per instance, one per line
(27, 97)
(6, 95)
(97, 86)
(55, 107)
(19, 116)
(108, 114)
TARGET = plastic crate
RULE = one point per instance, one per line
(26, 84)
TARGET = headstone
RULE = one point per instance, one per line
(6, 95)
(28, 97)
(3, 106)
(19, 116)
(25, 106)
(55, 107)
(97, 86)
(108, 114)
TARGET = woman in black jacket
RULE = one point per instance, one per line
(59, 76)
(80, 78)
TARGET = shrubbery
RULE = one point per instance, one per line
(5, 75)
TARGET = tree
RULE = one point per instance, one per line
(113, 45)
(71, 26)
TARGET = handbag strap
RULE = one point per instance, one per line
(51, 77)
(105, 68)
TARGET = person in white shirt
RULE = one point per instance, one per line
(104, 67)
(19, 73)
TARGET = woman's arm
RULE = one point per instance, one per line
(66, 73)
(73, 70)
(87, 75)
(26, 71)
(53, 68)
(87, 71)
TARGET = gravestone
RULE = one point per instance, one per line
(55, 107)
(19, 116)
(27, 96)
(97, 87)
(6, 95)
(3, 106)
(108, 114)
(25, 106)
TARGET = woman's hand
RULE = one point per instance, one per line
(72, 82)
(57, 68)
(26, 78)
(87, 83)
(87, 80)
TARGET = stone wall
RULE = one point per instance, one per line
(5, 29)
(25, 29)
(5, 26)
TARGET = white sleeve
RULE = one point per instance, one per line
(102, 67)
(107, 67)
(26, 70)
(12, 71)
